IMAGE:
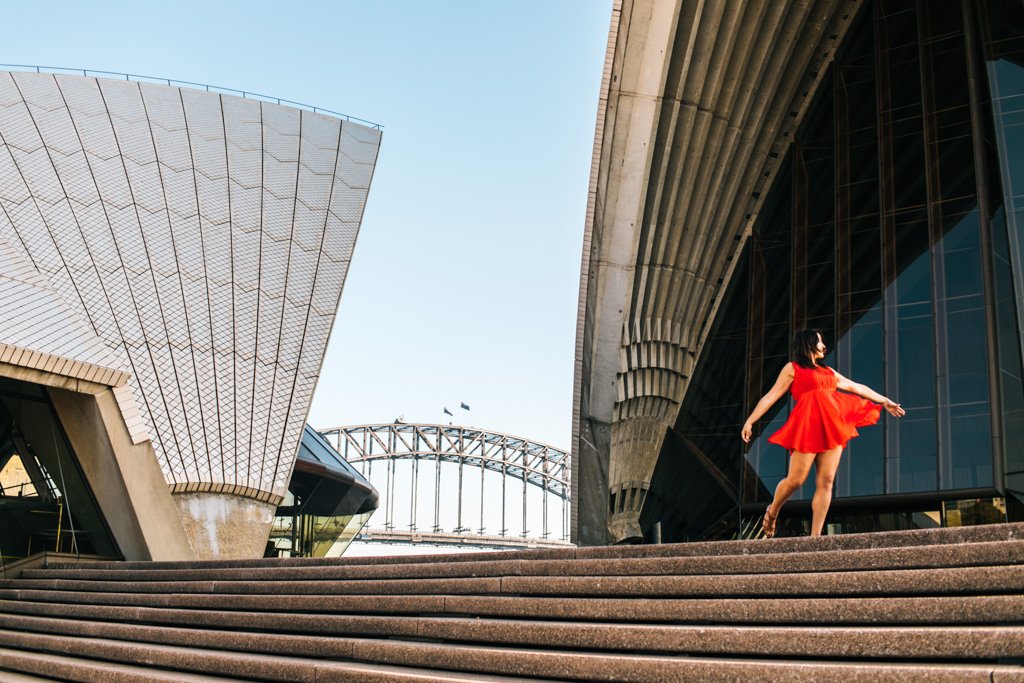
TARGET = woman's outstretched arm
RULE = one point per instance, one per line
(768, 400)
(870, 394)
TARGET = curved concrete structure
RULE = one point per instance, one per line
(190, 249)
(698, 107)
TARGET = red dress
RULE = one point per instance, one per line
(822, 418)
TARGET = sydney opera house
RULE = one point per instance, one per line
(172, 259)
(171, 262)
(847, 165)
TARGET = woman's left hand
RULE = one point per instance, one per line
(895, 409)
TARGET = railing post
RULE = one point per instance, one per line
(459, 529)
(483, 471)
(391, 494)
(504, 475)
(437, 495)
(524, 496)
(415, 490)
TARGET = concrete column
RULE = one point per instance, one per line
(125, 478)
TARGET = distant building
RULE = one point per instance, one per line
(763, 167)
(171, 262)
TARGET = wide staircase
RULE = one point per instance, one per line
(935, 605)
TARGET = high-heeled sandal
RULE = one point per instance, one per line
(768, 523)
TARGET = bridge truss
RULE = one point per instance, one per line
(441, 462)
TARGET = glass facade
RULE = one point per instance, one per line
(327, 504)
(45, 504)
(895, 225)
(1002, 32)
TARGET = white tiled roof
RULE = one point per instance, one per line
(204, 238)
(40, 331)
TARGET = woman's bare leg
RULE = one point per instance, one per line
(799, 468)
(825, 466)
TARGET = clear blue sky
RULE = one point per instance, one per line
(465, 277)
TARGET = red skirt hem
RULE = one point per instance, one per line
(822, 420)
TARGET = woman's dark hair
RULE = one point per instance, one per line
(805, 343)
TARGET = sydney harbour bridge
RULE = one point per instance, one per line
(451, 485)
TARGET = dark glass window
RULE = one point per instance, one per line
(770, 324)
(858, 268)
(964, 412)
(1002, 32)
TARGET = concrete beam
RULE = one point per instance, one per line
(125, 477)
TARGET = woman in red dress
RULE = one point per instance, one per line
(823, 420)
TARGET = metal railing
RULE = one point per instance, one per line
(190, 84)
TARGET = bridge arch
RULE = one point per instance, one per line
(400, 446)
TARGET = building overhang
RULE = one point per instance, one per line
(698, 107)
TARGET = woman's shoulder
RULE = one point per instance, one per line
(792, 367)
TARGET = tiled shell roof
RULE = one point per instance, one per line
(204, 239)
(41, 332)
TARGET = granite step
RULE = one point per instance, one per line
(944, 604)
(908, 557)
(893, 539)
(991, 609)
(102, 661)
(262, 631)
(942, 581)
(973, 609)
(11, 677)
(442, 662)
(949, 581)
(59, 667)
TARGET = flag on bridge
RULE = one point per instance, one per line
(464, 406)
(447, 412)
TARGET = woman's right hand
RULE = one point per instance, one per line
(746, 432)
